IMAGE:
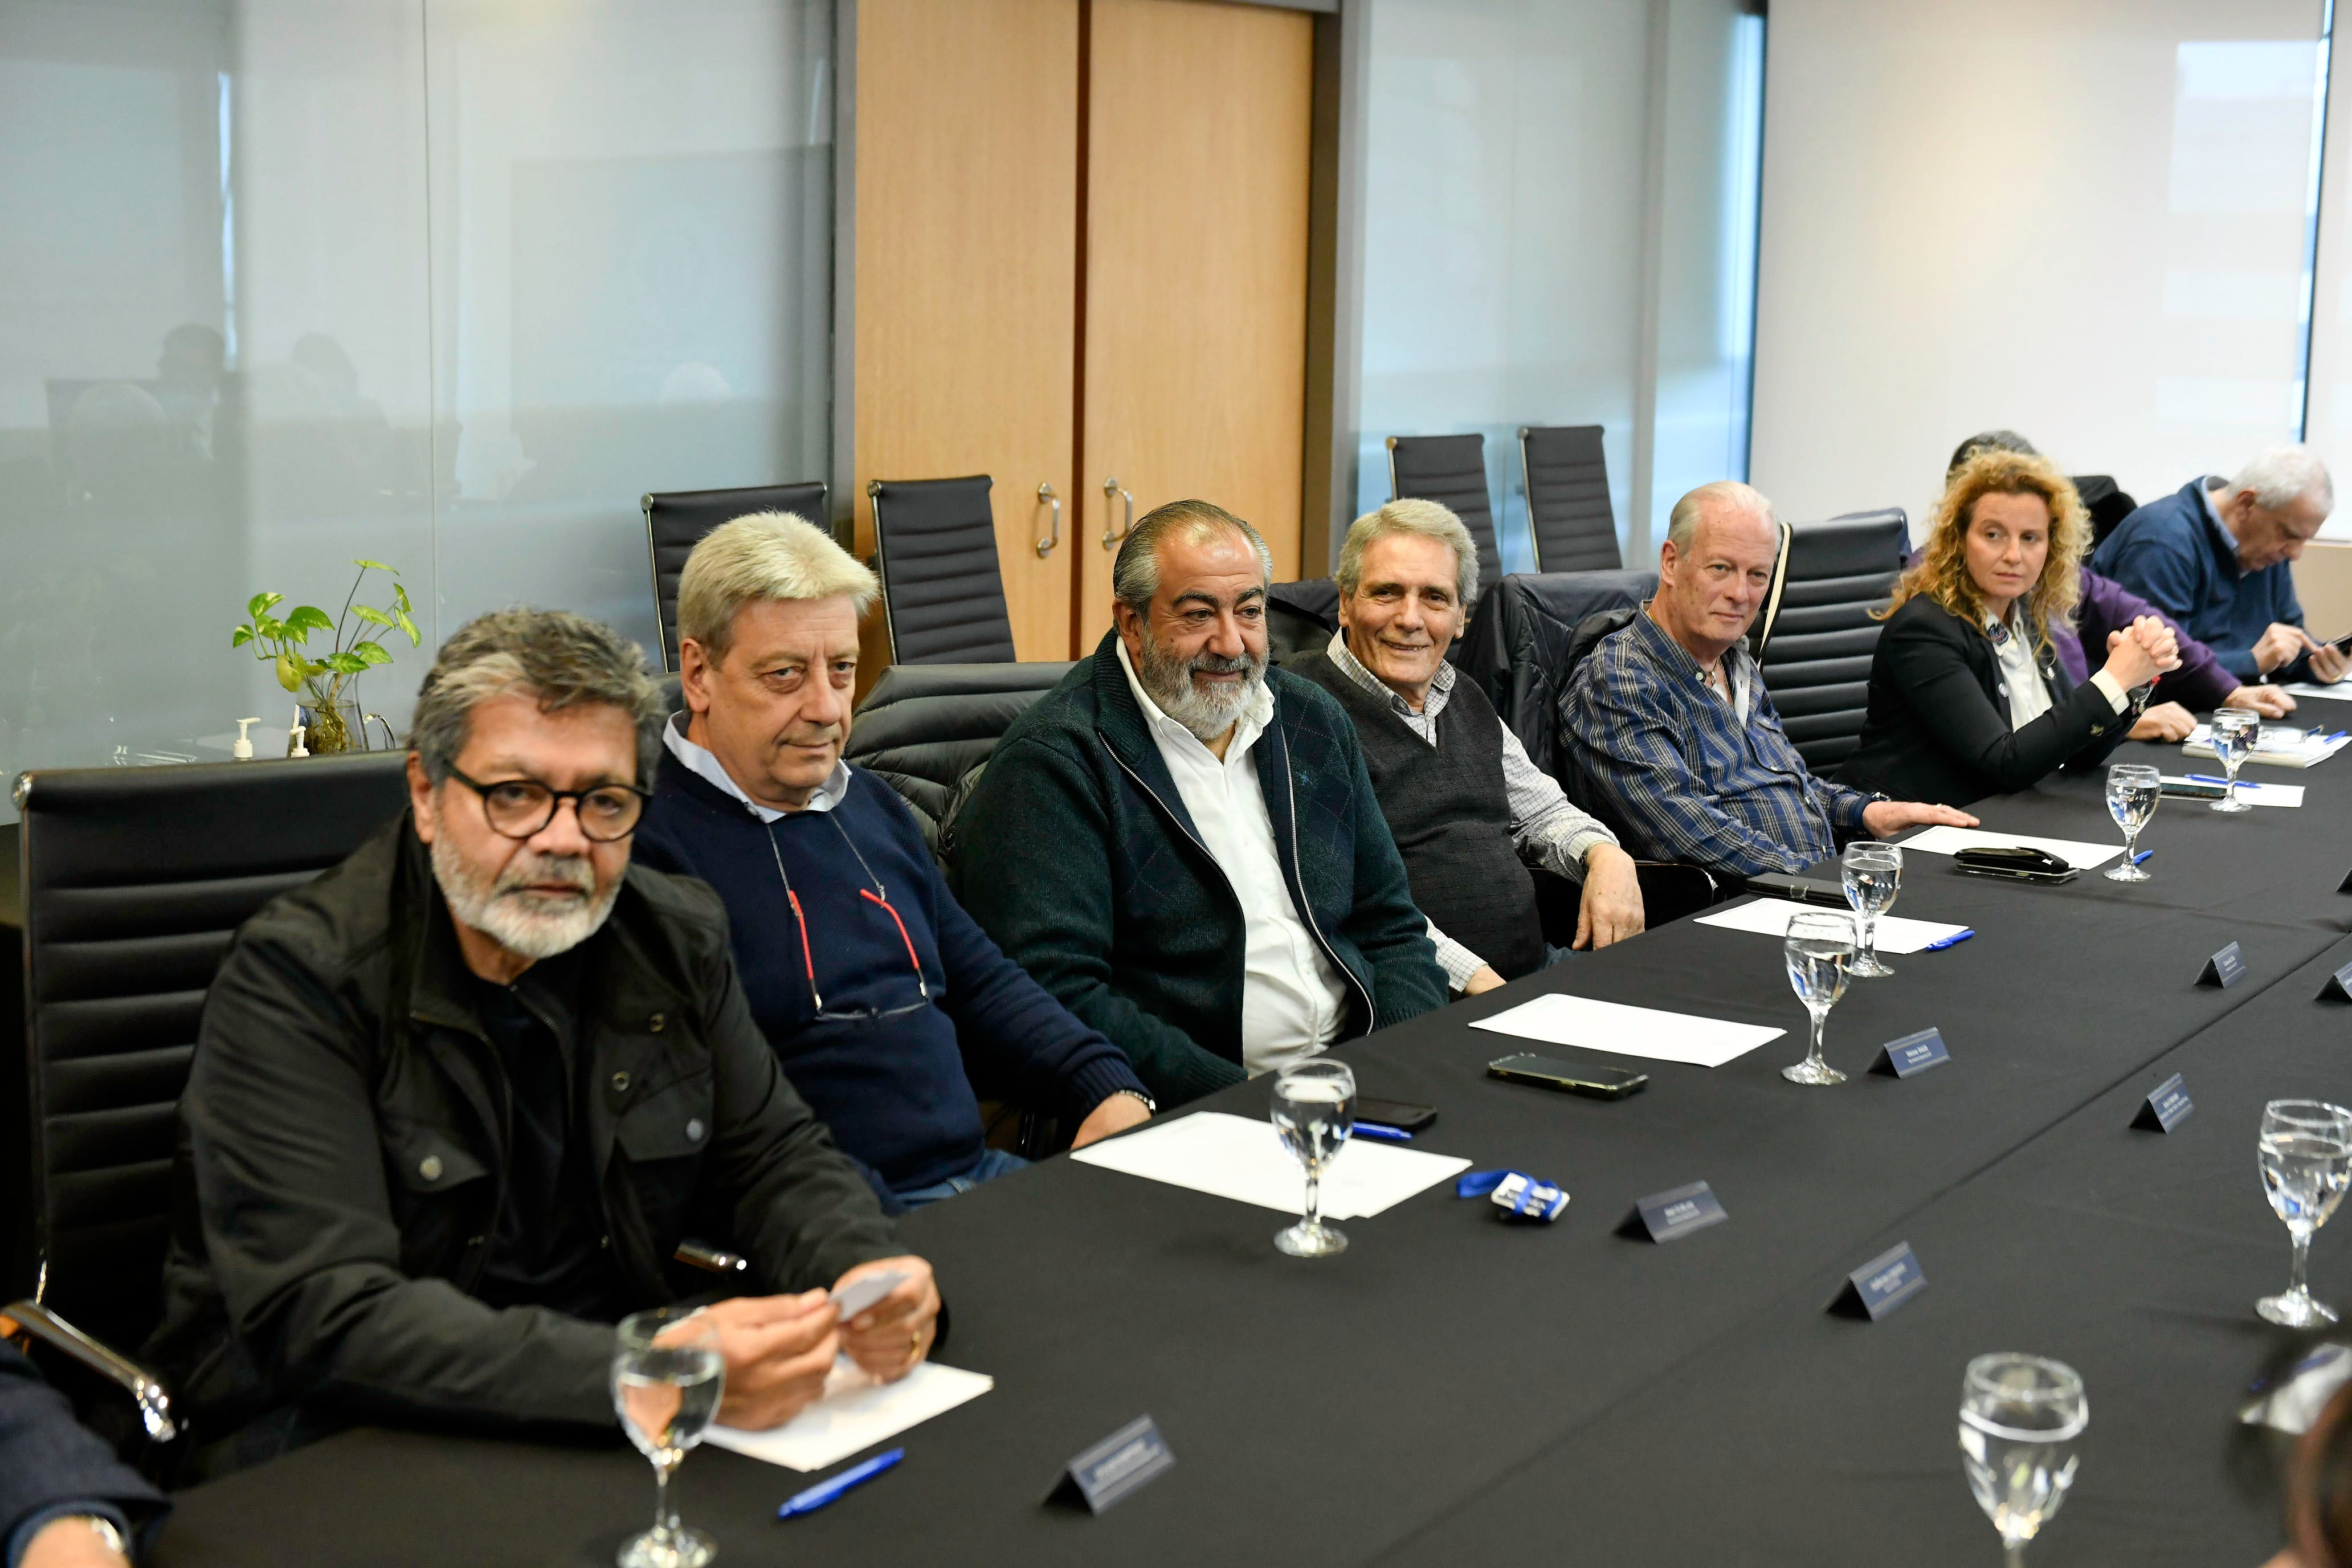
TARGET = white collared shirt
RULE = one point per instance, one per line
(699, 758)
(1294, 999)
(2021, 674)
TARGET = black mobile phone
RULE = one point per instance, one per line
(2014, 862)
(1568, 1077)
(2193, 791)
(1394, 1113)
(1804, 889)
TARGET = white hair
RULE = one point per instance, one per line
(2279, 474)
(1682, 526)
(763, 555)
(1421, 520)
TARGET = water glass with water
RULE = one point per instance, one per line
(1819, 950)
(2234, 731)
(1872, 875)
(1314, 1111)
(2133, 791)
(2022, 1420)
(2305, 1152)
(668, 1377)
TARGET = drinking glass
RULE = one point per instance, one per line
(1313, 1109)
(2133, 790)
(2235, 729)
(2306, 1160)
(1820, 953)
(666, 1380)
(1873, 874)
(2020, 1418)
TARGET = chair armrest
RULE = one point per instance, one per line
(36, 1322)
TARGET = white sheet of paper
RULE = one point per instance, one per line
(2341, 691)
(2302, 750)
(1769, 916)
(1563, 1020)
(1236, 1157)
(855, 1412)
(1952, 840)
(2250, 792)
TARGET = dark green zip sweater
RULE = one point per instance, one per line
(1076, 855)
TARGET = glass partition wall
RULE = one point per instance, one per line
(445, 285)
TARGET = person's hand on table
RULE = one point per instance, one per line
(778, 1350)
(1611, 908)
(2281, 645)
(1116, 1113)
(2328, 665)
(70, 1542)
(1886, 818)
(2165, 722)
(2269, 701)
(890, 1337)
(1485, 979)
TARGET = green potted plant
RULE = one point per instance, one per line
(324, 682)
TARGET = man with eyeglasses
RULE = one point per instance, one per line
(872, 983)
(466, 1099)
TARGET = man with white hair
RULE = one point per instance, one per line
(871, 982)
(1471, 812)
(1182, 844)
(2218, 556)
(1669, 724)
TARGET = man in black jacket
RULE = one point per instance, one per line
(65, 1501)
(456, 1104)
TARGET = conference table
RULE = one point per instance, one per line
(1459, 1387)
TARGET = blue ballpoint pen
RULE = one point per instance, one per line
(1954, 939)
(2141, 858)
(1383, 1130)
(825, 1491)
(2216, 778)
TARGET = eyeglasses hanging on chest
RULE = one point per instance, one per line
(875, 898)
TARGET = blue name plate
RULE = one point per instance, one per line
(1912, 1054)
(2339, 987)
(2226, 967)
(2165, 1109)
(1883, 1284)
(1127, 1460)
(1674, 1213)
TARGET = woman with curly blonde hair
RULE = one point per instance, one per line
(1967, 695)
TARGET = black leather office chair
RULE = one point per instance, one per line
(1516, 648)
(135, 880)
(2107, 503)
(942, 592)
(1451, 471)
(1815, 639)
(1300, 618)
(1570, 522)
(676, 522)
(927, 729)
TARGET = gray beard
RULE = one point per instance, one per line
(525, 923)
(1208, 714)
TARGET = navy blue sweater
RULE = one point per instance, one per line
(895, 1091)
(2173, 554)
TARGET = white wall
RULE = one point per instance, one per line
(2084, 221)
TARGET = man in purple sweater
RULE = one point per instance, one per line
(868, 977)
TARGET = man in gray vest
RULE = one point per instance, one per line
(1469, 811)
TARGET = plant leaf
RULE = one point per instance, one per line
(259, 603)
(239, 638)
(416, 638)
(309, 618)
(371, 653)
(289, 671)
(372, 615)
(345, 663)
(377, 565)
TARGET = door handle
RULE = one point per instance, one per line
(1112, 492)
(1046, 545)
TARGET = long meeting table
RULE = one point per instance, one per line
(1458, 1388)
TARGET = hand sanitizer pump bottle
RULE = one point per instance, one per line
(243, 750)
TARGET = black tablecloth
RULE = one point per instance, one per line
(1455, 1388)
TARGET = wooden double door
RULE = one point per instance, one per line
(1081, 233)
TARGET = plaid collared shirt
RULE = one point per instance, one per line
(1667, 762)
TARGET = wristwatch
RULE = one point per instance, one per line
(1149, 1104)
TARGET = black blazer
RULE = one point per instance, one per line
(1937, 728)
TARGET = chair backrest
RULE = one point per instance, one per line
(676, 522)
(1569, 521)
(925, 728)
(1815, 654)
(942, 592)
(134, 881)
(1300, 618)
(1516, 645)
(1451, 471)
(2107, 503)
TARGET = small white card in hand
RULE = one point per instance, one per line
(1942, 840)
(1771, 916)
(861, 1293)
(1563, 1020)
(856, 1412)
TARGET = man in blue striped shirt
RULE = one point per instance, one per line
(1668, 724)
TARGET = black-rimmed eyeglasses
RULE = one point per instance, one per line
(521, 808)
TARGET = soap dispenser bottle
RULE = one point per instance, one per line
(243, 750)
